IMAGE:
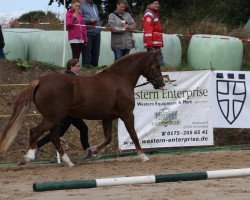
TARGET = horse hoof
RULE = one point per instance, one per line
(143, 158)
(89, 154)
(23, 161)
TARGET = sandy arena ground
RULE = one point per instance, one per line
(16, 182)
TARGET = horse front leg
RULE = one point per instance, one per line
(107, 129)
(55, 139)
(129, 124)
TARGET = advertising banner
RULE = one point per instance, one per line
(231, 99)
(177, 116)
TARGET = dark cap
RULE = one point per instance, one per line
(151, 1)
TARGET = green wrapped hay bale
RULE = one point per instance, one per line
(47, 46)
(215, 52)
(172, 51)
(106, 54)
(28, 34)
(15, 47)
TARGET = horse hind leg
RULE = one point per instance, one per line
(129, 124)
(35, 133)
(55, 139)
(107, 129)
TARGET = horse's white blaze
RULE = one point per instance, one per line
(67, 160)
(31, 154)
(143, 157)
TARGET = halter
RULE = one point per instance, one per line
(150, 76)
(164, 76)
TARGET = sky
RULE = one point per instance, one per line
(14, 8)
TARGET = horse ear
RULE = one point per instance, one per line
(151, 49)
(154, 51)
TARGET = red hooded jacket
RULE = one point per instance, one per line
(152, 27)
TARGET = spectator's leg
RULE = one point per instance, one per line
(2, 56)
(118, 54)
(74, 50)
(95, 50)
(125, 52)
(80, 47)
(86, 56)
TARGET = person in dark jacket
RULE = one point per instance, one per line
(2, 44)
(91, 52)
(73, 69)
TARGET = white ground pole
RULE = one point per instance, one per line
(190, 176)
(64, 34)
(233, 173)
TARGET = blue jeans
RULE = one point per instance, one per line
(91, 52)
(121, 53)
(2, 56)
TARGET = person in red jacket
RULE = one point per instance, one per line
(152, 28)
(77, 33)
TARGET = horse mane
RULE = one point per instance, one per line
(120, 61)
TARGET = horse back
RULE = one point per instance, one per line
(101, 96)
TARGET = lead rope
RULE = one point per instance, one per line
(164, 76)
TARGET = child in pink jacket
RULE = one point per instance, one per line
(77, 34)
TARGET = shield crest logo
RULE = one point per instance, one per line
(231, 97)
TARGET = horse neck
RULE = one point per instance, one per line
(132, 70)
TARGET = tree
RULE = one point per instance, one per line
(231, 12)
(60, 2)
(39, 16)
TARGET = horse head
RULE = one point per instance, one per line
(153, 72)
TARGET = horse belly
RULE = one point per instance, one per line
(95, 111)
(97, 100)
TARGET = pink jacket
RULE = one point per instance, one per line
(74, 31)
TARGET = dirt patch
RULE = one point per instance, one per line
(16, 182)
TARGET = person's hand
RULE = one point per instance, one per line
(85, 44)
(127, 27)
(93, 21)
(75, 15)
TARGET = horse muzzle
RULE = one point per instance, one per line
(158, 83)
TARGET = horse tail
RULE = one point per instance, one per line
(18, 115)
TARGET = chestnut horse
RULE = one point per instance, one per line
(105, 96)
